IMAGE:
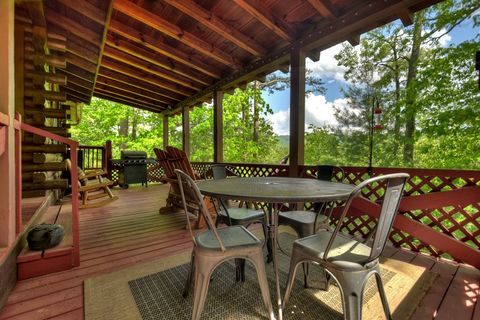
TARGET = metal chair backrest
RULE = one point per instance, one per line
(391, 200)
(191, 194)
(219, 171)
(326, 172)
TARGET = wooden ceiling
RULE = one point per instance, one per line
(161, 55)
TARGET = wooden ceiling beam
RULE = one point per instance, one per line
(406, 17)
(174, 70)
(108, 18)
(78, 72)
(214, 23)
(324, 8)
(81, 90)
(257, 10)
(79, 82)
(168, 81)
(156, 22)
(135, 83)
(76, 96)
(86, 9)
(354, 39)
(158, 46)
(128, 88)
(81, 63)
(128, 95)
(135, 74)
(73, 27)
(327, 34)
(112, 97)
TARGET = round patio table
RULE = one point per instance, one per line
(275, 190)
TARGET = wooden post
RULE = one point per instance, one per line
(108, 159)
(7, 107)
(218, 126)
(297, 111)
(186, 130)
(165, 131)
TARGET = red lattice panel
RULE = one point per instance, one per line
(459, 222)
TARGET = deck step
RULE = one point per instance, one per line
(32, 263)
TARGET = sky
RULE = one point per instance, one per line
(319, 108)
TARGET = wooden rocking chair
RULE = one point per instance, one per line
(92, 186)
(170, 159)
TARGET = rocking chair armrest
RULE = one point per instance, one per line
(92, 174)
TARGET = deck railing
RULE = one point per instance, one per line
(93, 157)
(439, 213)
(73, 145)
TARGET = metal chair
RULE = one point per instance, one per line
(307, 222)
(215, 246)
(232, 216)
(304, 222)
(348, 261)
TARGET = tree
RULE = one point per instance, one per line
(389, 63)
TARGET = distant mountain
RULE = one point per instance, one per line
(284, 140)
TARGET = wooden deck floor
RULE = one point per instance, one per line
(130, 231)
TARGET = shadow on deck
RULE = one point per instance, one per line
(130, 231)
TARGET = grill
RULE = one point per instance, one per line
(132, 168)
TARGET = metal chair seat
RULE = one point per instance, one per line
(240, 216)
(303, 222)
(346, 254)
(232, 237)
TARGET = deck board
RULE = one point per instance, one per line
(130, 231)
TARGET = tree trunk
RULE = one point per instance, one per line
(410, 108)
(256, 113)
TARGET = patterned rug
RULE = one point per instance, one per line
(155, 292)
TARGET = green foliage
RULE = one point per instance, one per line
(126, 127)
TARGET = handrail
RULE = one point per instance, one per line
(19, 125)
(94, 157)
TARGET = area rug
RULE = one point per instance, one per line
(154, 291)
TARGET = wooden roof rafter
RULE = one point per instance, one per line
(155, 22)
(219, 26)
(162, 48)
(360, 19)
(324, 8)
(263, 15)
(163, 79)
(173, 71)
(135, 74)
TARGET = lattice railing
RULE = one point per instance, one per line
(439, 214)
(443, 205)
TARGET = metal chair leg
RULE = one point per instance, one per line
(295, 260)
(188, 283)
(263, 283)
(305, 274)
(383, 296)
(203, 273)
(351, 285)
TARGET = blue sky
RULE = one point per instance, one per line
(319, 108)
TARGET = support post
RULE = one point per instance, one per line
(297, 111)
(218, 127)
(108, 159)
(186, 130)
(165, 131)
(7, 107)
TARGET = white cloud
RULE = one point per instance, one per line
(327, 65)
(318, 111)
